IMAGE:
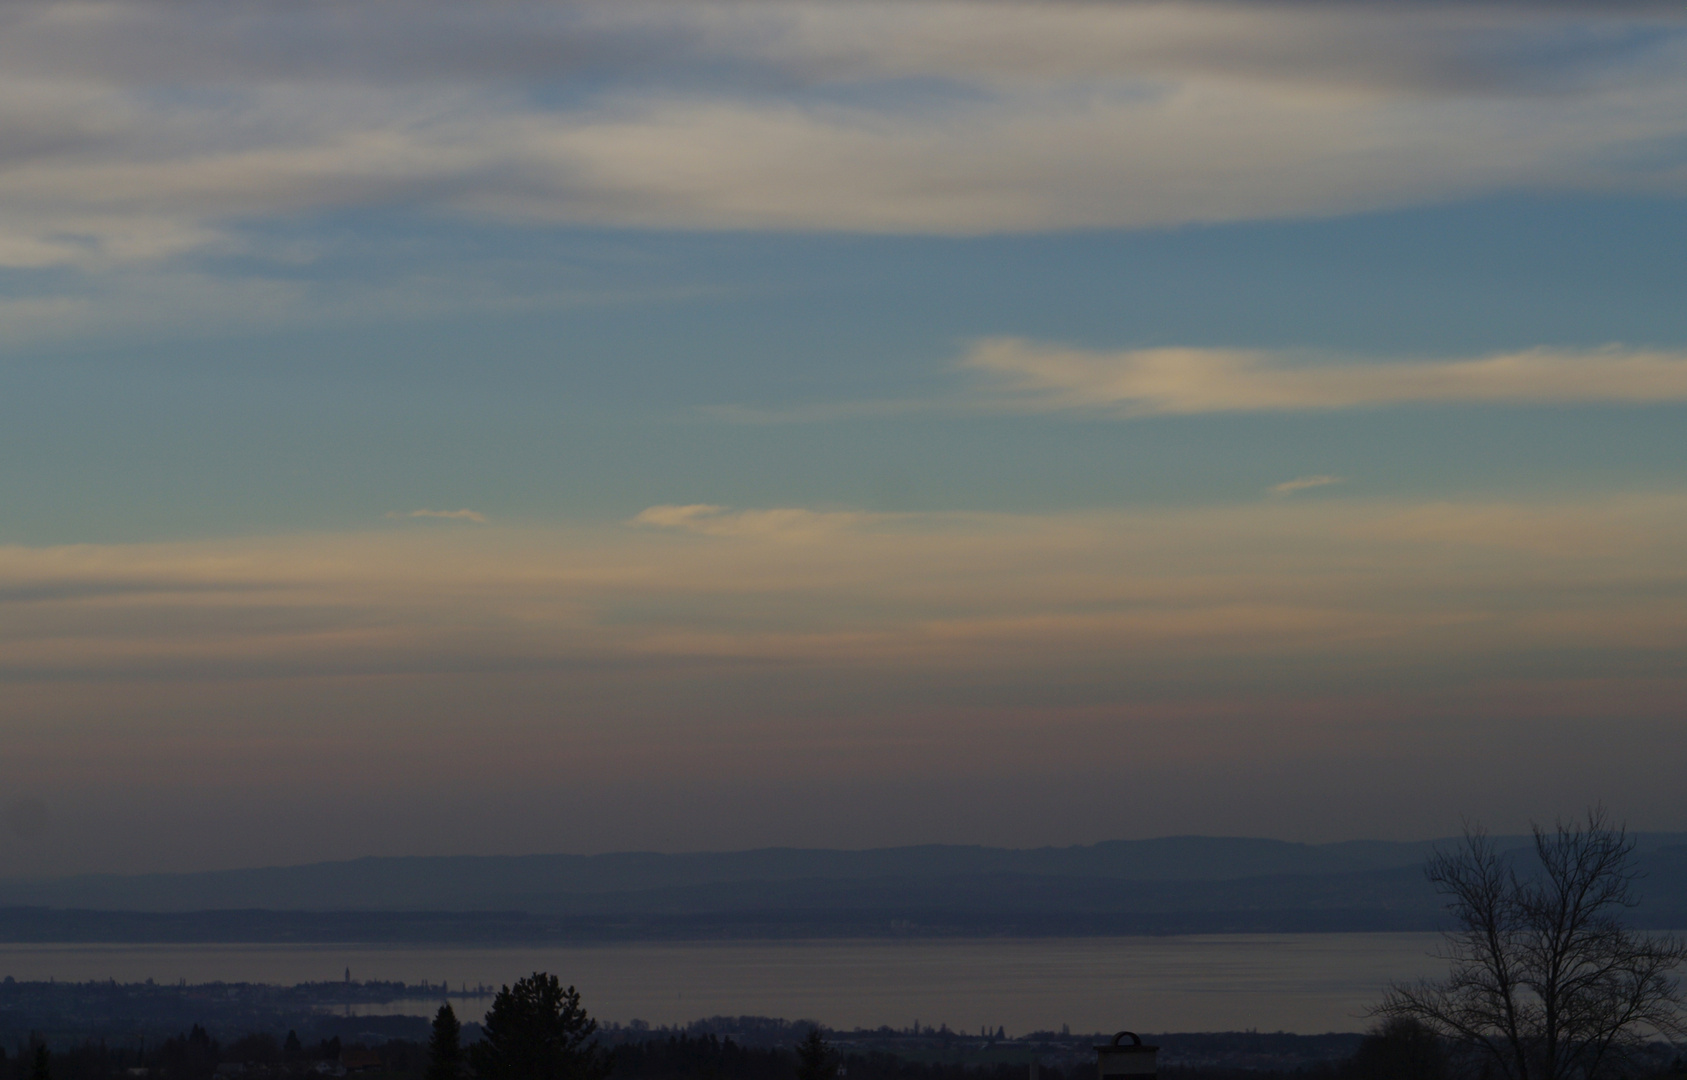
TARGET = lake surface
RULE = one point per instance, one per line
(1307, 983)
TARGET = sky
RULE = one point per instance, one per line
(532, 425)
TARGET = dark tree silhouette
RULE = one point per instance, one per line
(1399, 1049)
(813, 1056)
(1547, 983)
(536, 1030)
(42, 1069)
(445, 1057)
(258, 1047)
(193, 1055)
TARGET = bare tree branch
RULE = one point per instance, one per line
(1545, 980)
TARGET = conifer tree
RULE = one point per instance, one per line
(536, 1030)
(444, 1054)
(814, 1054)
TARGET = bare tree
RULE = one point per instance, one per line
(1547, 983)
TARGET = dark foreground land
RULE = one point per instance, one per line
(248, 1031)
(118, 1031)
(656, 1056)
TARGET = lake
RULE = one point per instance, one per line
(1307, 983)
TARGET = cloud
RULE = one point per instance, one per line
(455, 515)
(1302, 483)
(786, 523)
(145, 132)
(915, 594)
(1310, 639)
(692, 517)
(1018, 376)
(1032, 376)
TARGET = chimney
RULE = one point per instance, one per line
(1119, 1060)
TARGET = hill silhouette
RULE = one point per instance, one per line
(1169, 885)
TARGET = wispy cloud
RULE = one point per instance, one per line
(799, 115)
(453, 515)
(1013, 375)
(1302, 483)
(692, 517)
(961, 648)
(781, 523)
(897, 590)
(1020, 374)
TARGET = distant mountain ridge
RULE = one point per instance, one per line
(1173, 884)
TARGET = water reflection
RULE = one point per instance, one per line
(1291, 982)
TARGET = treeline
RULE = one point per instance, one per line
(192, 1055)
(537, 1029)
(195, 1056)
